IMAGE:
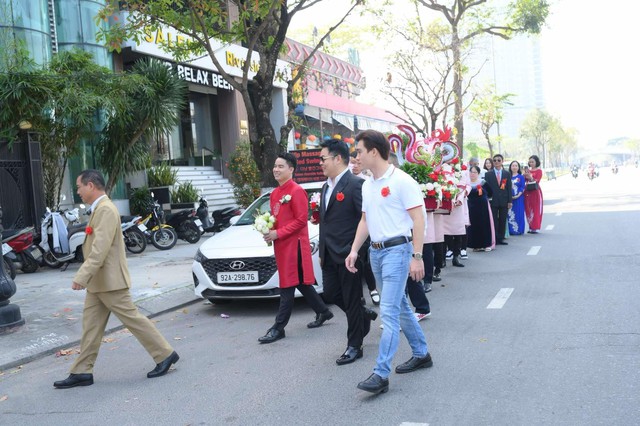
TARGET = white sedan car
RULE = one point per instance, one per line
(238, 264)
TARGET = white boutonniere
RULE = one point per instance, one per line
(285, 199)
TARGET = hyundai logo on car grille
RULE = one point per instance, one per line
(237, 265)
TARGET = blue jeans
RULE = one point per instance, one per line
(390, 266)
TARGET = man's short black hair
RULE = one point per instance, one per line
(290, 159)
(337, 147)
(93, 176)
(374, 139)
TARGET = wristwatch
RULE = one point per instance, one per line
(417, 256)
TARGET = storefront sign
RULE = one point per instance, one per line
(202, 77)
(308, 169)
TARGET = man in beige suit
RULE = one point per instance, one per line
(105, 276)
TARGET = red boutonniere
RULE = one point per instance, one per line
(385, 191)
(339, 196)
(479, 188)
(503, 183)
(88, 230)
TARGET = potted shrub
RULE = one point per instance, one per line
(139, 201)
(161, 180)
(184, 196)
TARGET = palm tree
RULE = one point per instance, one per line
(154, 96)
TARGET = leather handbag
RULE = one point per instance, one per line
(531, 186)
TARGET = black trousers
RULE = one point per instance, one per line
(428, 259)
(499, 221)
(454, 243)
(438, 256)
(287, 296)
(415, 289)
(367, 273)
(344, 289)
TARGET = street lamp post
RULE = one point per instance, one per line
(9, 314)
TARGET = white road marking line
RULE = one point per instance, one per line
(534, 250)
(500, 299)
(559, 214)
(413, 424)
(549, 228)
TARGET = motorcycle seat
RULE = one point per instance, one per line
(124, 219)
(74, 229)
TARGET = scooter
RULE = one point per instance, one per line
(221, 218)
(62, 243)
(24, 255)
(134, 233)
(187, 225)
(7, 262)
(574, 172)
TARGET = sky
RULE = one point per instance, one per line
(589, 56)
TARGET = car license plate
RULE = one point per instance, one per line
(238, 277)
(198, 222)
(6, 248)
(142, 227)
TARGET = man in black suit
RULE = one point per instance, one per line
(340, 212)
(499, 181)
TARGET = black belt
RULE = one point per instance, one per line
(392, 242)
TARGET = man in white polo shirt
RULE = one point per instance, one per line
(392, 206)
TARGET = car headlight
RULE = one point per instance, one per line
(315, 246)
(199, 257)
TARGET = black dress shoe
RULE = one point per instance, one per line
(436, 276)
(503, 243)
(350, 355)
(456, 262)
(272, 335)
(374, 384)
(162, 368)
(370, 314)
(74, 380)
(320, 319)
(415, 363)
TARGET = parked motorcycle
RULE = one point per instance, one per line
(62, 242)
(221, 218)
(134, 233)
(187, 225)
(161, 235)
(24, 255)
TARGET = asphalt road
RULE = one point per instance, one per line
(562, 348)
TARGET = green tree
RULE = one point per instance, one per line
(260, 26)
(469, 19)
(80, 90)
(153, 95)
(539, 128)
(487, 109)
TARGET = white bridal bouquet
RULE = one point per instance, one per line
(264, 223)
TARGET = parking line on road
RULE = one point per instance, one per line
(500, 299)
(559, 214)
(534, 250)
(549, 228)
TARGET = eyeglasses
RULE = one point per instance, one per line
(324, 158)
(497, 160)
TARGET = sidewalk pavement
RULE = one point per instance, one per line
(160, 281)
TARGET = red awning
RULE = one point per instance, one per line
(348, 106)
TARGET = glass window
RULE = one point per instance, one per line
(68, 24)
(39, 45)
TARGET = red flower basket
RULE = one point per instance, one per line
(446, 204)
(430, 204)
(316, 216)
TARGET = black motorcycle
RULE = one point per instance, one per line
(574, 172)
(221, 218)
(186, 225)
